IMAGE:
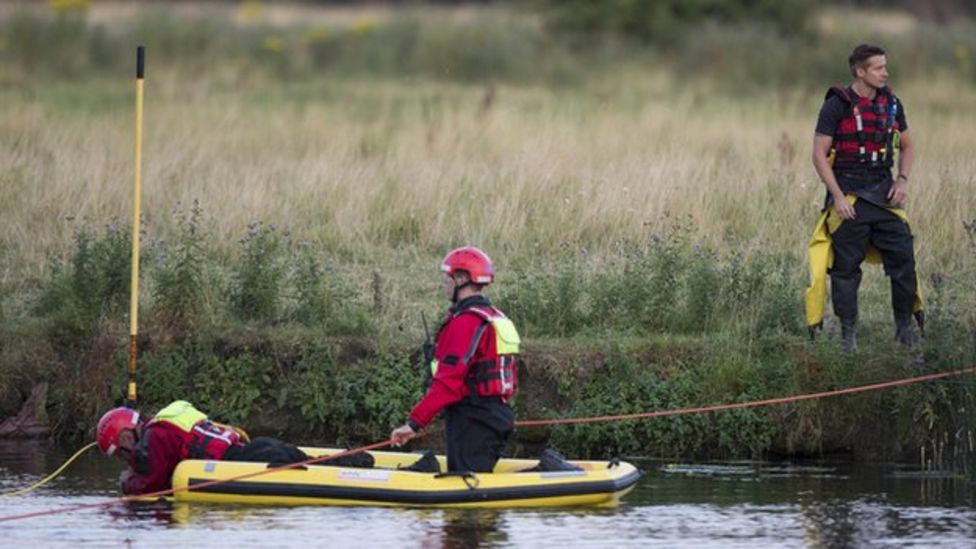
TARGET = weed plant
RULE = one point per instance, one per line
(256, 286)
(91, 285)
(231, 388)
(664, 285)
(182, 293)
(629, 193)
(311, 290)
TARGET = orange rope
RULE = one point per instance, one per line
(526, 423)
(171, 491)
(755, 403)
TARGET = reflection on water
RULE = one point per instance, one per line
(742, 504)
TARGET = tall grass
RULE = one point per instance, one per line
(648, 211)
(388, 165)
(367, 165)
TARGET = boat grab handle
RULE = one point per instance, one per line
(470, 479)
(614, 462)
(275, 464)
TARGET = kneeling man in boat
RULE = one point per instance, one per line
(474, 369)
(154, 448)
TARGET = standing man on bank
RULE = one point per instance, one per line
(853, 152)
(474, 369)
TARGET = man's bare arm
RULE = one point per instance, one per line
(906, 158)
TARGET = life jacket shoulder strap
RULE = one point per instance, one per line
(892, 98)
(848, 96)
(486, 318)
(843, 93)
(507, 336)
(484, 314)
(475, 340)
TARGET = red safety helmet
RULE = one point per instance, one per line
(111, 426)
(472, 260)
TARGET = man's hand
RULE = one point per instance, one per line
(844, 208)
(402, 434)
(898, 192)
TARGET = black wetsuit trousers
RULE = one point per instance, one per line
(888, 233)
(266, 450)
(476, 433)
(276, 452)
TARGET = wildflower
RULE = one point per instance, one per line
(251, 10)
(62, 7)
(316, 35)
(362, 27)
(963, 57)
(274, 44)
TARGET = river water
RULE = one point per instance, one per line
(743, 504)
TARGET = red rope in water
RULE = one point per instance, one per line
(526, 423)
(172, 491)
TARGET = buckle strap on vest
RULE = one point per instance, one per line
(883, 110)
(472, 380)
(475, 340)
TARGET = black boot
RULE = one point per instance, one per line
(362, 460)
(848, 335)
(552, 460)
(844, 298)
(905, 332)
(426, 464)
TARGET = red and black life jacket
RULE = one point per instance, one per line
(209, 441)
(495, 375)
(202, 438)
(865, 137)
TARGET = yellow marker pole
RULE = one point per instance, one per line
(131, 395)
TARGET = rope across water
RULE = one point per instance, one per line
(525, 423)
(171, 491)
(751, 404)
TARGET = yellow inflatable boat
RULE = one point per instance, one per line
(599, 483)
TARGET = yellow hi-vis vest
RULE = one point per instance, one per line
(182, 414)
(821, 257)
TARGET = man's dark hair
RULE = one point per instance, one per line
(859, 57)
(477, 286)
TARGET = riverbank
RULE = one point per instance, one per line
(315, 389)
(302, 180)
(292, 341)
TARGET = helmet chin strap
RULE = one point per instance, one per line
(135, 435)
(454, 295)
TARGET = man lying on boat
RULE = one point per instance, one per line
(154, 448)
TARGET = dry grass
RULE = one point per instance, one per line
(368, 165)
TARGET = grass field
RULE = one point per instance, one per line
(388, 172)
(594, 184)
(385, 172)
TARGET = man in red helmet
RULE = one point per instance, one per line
(473, 371)
(154, 448)
(853, 152)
